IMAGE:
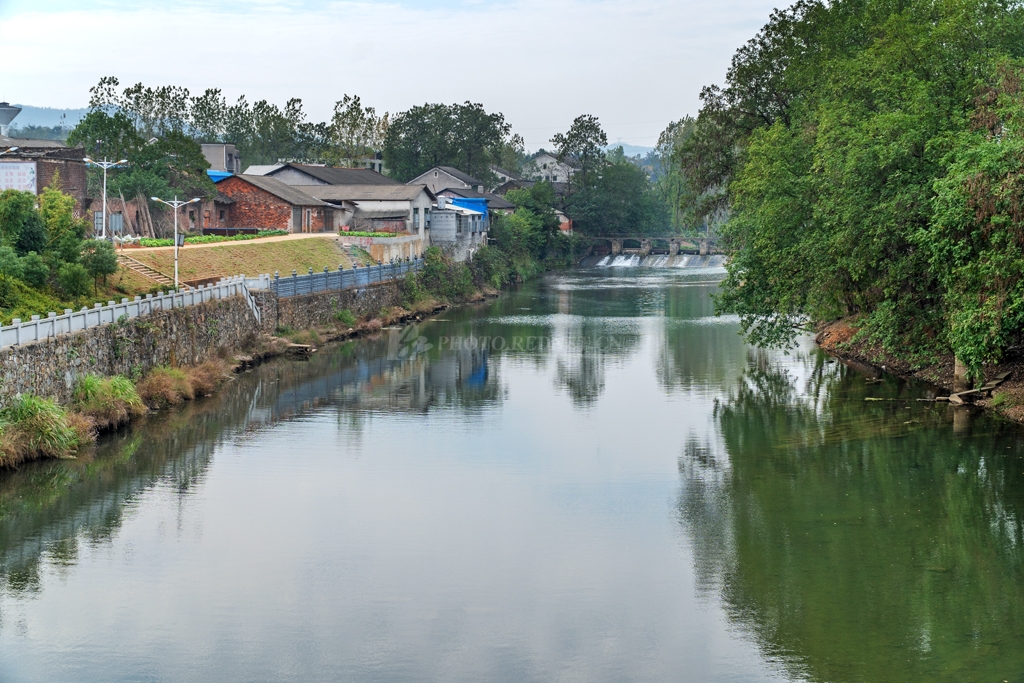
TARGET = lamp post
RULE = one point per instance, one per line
(8, 151)
(176, 204)
(104, 165)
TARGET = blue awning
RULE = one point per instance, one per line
(217, 176)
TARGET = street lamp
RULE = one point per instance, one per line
(176, 204)
(8, 151)
(104, 165)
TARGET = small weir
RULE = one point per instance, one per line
(655, 261)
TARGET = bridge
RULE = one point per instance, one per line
(644, 245)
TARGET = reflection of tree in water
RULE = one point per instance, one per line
(582, 350)
(699, 353)
(49, 509)
(860, 541)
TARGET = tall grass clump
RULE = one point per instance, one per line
(32, 427)
(207, 377)
(165, 386)
(109, 402)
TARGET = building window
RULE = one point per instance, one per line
(435, 174)
(191, 218)
(221, 214)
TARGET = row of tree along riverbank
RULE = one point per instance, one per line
(870, 159)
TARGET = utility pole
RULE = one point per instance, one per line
(176, 204)
(105, 165)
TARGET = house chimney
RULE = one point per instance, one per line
(7, 114)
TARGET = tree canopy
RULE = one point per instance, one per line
(847, 149)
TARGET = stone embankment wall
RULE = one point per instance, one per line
(313, 310)
(182, 336)
(185, 336)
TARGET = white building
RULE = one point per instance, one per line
(547, 167)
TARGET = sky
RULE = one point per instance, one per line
(637, 65)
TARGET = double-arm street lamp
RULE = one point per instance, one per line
(104, 165)
(176, 204)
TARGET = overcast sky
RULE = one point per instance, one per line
(635, 64)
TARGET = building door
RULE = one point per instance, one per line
(296, 219)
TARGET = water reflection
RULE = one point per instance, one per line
(860, 541)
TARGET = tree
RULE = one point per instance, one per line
(354, 133)
(35, 270)
(461, 135)
(99, 260)
(10, 264)
(64, 233)
(582, 147)
(18, 217)
(73, 279)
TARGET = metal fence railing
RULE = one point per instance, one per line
(40, 329)
(53, 325)
(328, 280)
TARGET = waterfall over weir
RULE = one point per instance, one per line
(655, 261)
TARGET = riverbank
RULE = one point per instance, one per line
(838, 339)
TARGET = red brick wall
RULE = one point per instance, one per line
(72, 179)
(255, 208)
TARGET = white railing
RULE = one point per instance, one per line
(40, 329)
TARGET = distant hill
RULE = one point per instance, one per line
(631, 150)
(47, 117)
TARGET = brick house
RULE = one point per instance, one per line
(33, 165)
(268, 204)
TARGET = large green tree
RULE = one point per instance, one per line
(461, 135)
(831, 146)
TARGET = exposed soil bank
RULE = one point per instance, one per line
(836, 339)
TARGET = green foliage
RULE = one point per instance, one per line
(843, 153)
(621, 200)
(210, 239)
(18, 300)
(17, 216)
(34, 270)
(74, 280)
(582, 147)
(108, 401)
(64, 233)
(43, 423)
(99, 259)
(443, 278)
(461, 135)
(345, 317)
(10, 264)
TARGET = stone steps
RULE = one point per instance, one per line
(145, 271)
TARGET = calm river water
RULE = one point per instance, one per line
(591, 479)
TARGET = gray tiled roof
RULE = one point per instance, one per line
(355, 193)
(288, 193)
(341, 176)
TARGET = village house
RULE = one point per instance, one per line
(443, 177)
(547, 167)
(504, 176)
(222, 157)
(31, 165)
(458, 230)
(311, 174)
(375, 208)
(266, 203)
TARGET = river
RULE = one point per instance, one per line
(589, 479)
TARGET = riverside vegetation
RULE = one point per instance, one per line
(869, 159)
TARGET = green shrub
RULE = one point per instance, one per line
(109, 402)
(74, 279)
(35, 271)
(346, 318)
(443, 278)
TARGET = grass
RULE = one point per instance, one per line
(346, 318)
(307, 337)
(165, 386)
(108, 401)
(249, 257)
(32, 427)
(364, 233)
(207, 377)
